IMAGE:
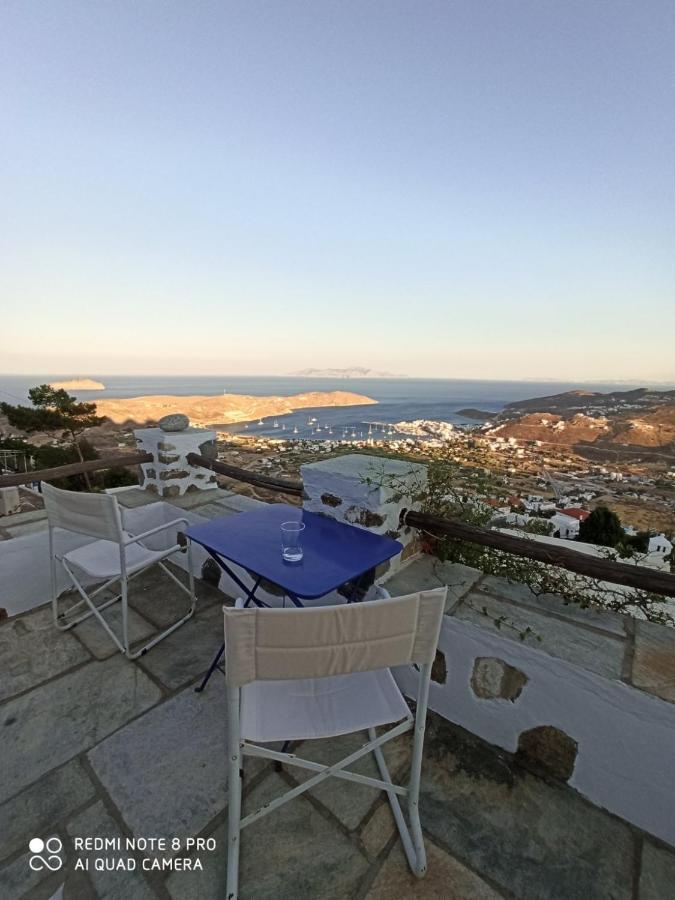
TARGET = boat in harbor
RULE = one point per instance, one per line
(260, 422)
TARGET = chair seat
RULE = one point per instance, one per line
(320, 707)
(101, 559)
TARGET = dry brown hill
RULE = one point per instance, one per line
(221, 410)
(653, 429)
(550, 427)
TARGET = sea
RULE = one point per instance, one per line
(398, 399)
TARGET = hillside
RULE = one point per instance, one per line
(637, 418)
(654, 429)
(556, 429)
(592, 401)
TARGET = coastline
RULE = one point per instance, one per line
(226, 409)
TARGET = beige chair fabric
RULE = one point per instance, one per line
(277, 644)
(96, 515)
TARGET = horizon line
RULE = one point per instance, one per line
(646, 382)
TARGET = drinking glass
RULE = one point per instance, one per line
(291, 547)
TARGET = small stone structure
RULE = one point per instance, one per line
(367, 491)
(170, 474)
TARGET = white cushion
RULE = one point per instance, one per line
(320, 707)
(101, 559)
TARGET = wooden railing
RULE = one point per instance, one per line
(282, 485)
(76, 468)
(647, 579)
(641, 577)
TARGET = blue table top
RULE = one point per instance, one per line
(333, 553)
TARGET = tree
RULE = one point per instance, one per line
(602, 527)
(450, 491)
(54, 410)
(537, 526)
(637, 543)
(50, 457)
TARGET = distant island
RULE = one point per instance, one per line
(353, 372)
(78, 384)
(227, 409)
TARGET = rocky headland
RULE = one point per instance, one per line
(227, 409)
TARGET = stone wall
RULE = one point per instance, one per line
(170, 474)
(362, 490)
(584, 697)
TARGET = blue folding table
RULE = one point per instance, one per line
(334, 554)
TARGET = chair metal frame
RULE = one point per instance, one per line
(411, 834)
(62, 620)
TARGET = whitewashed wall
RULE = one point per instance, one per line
(626, 738)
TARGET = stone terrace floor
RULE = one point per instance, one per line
(95, 745)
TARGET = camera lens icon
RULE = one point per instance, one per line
(45, 854)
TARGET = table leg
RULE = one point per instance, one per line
(212, 669)
(360, 586)
(278, 766)
(249, 598)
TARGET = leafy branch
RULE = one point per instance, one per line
(453, 491)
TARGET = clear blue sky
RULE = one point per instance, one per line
(461, 189)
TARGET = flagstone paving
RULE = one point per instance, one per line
(534, 838)
(180, 784)
(106, 747)
(446, 879)
(62, 718)
(98, 642)
(32, 651)
(296, 853)
(34, 811)
(185, 654)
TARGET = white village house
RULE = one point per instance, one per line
(564, 526)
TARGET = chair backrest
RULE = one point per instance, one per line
(96, 515)
(280, 644)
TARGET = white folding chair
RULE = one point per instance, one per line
(115, 556)
(316, 673)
